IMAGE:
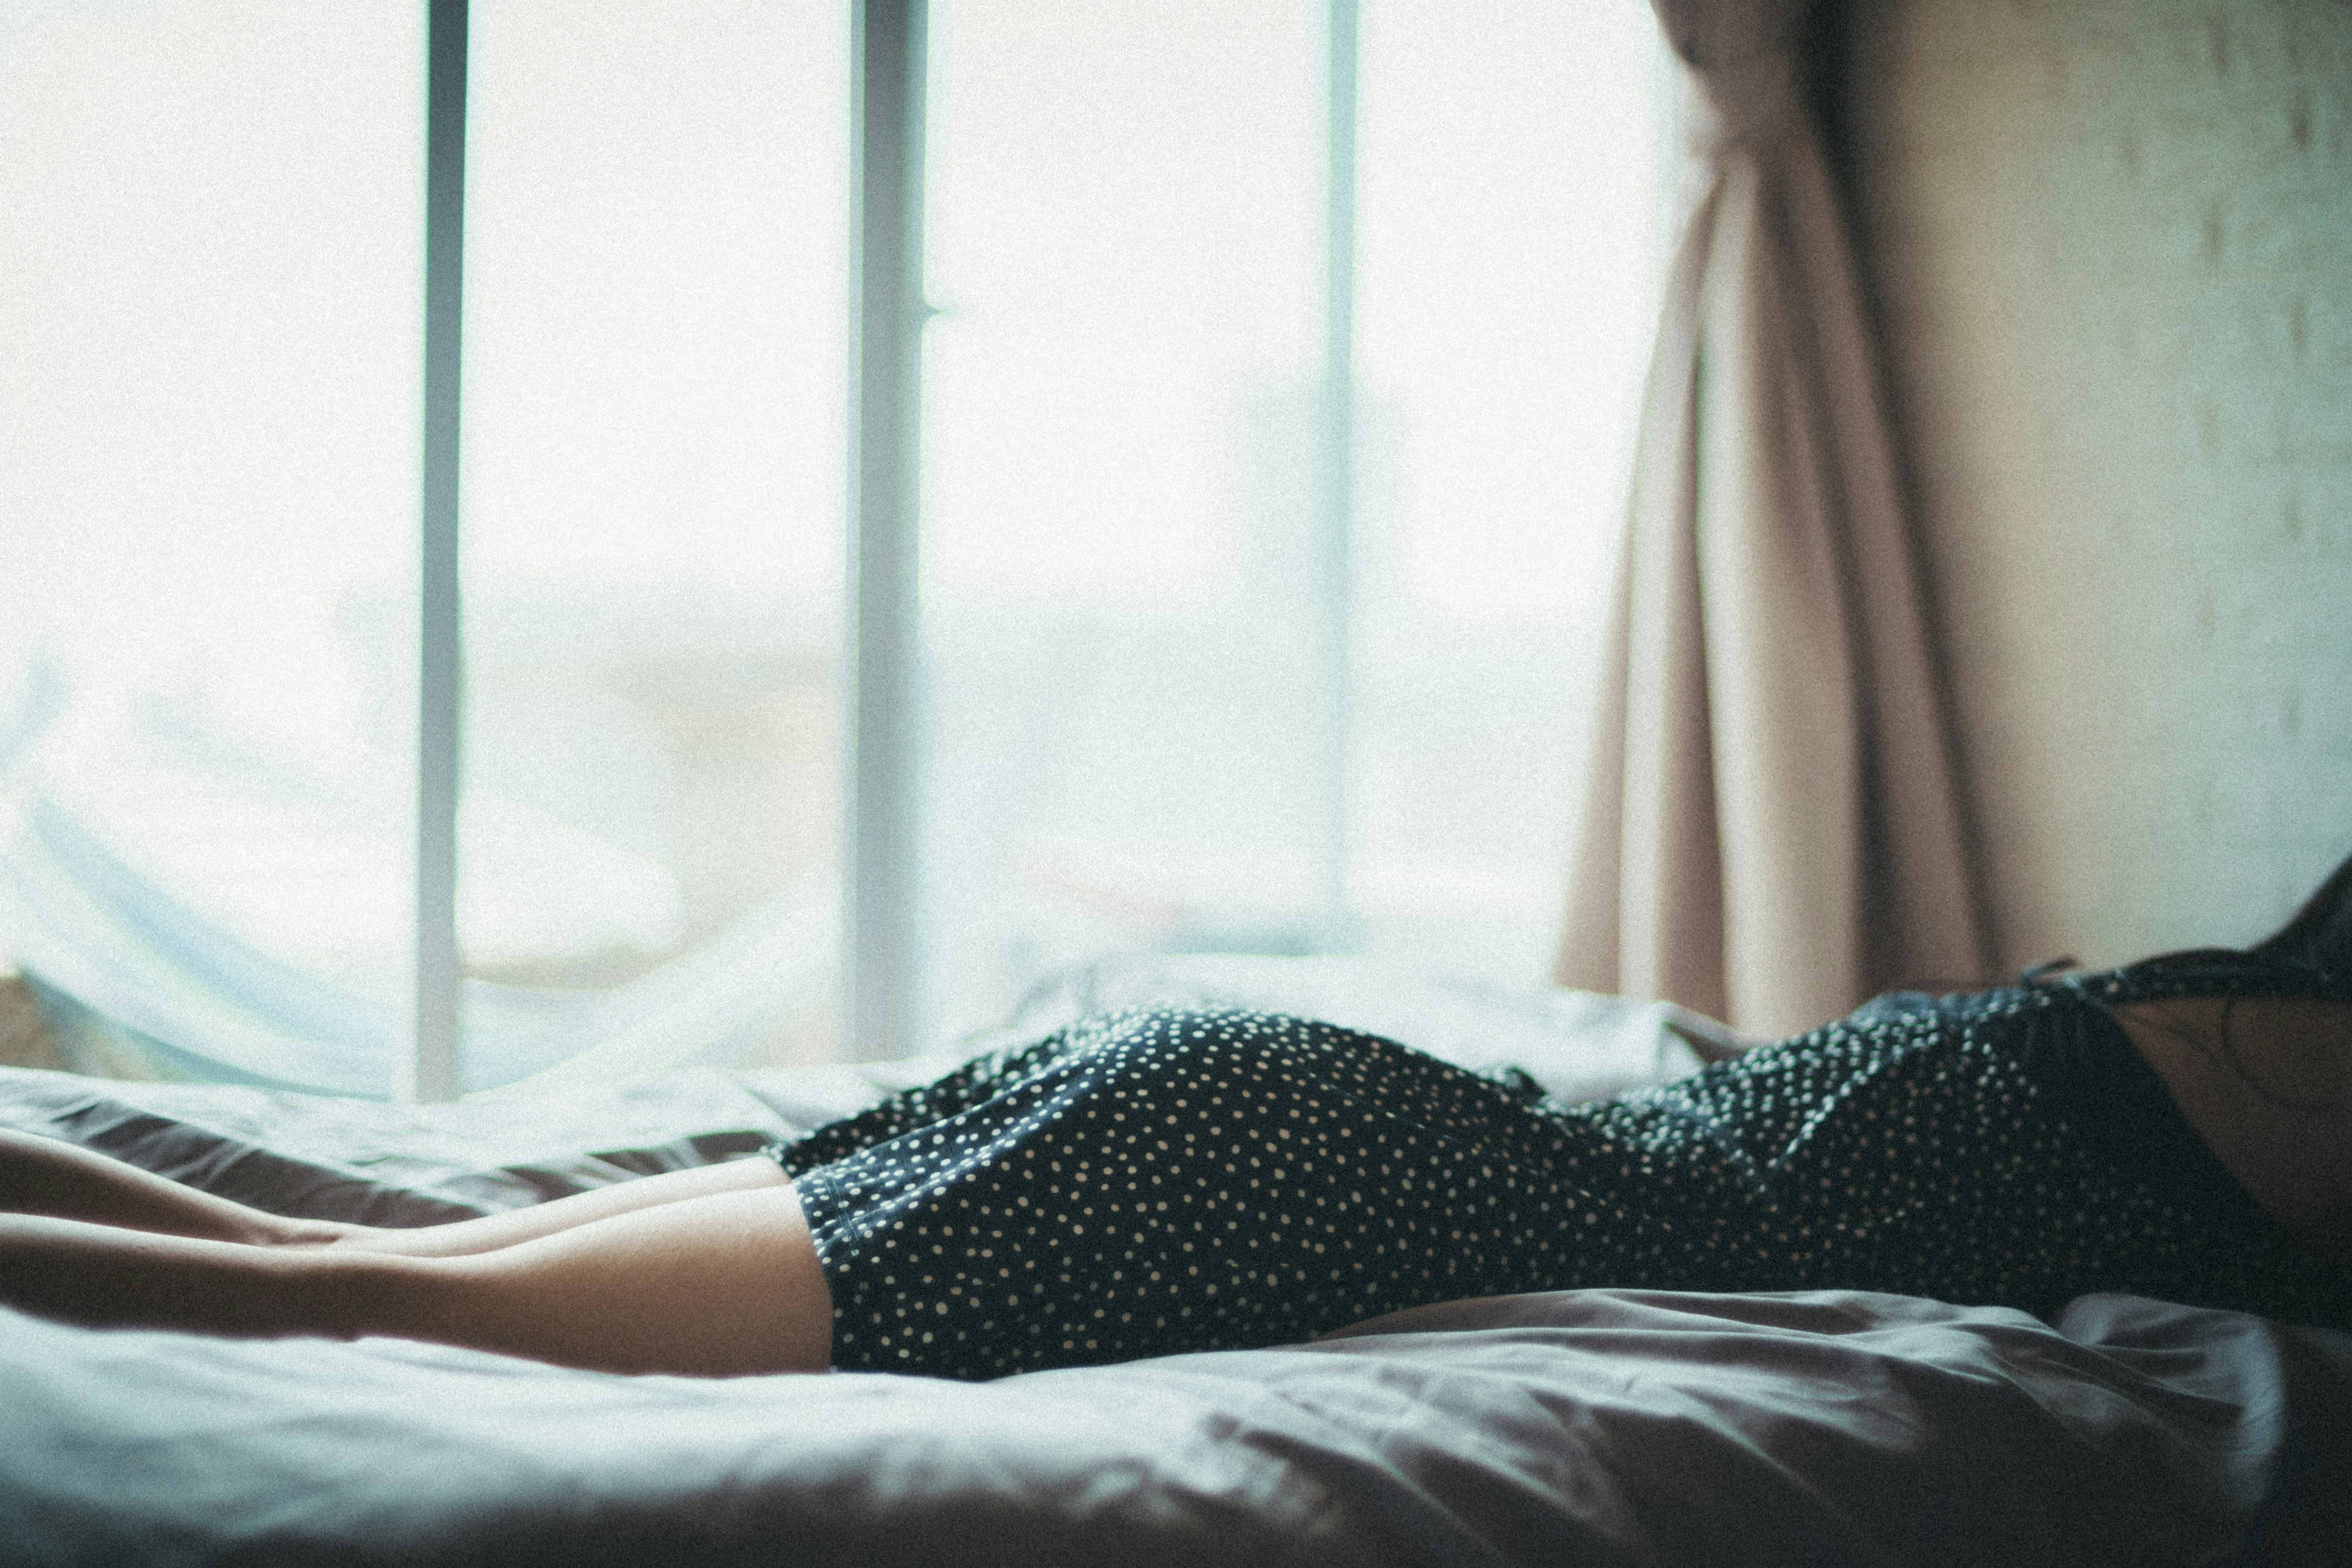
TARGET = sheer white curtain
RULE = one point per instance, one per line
(1770, 829)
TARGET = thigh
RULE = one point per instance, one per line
(719, 1284)
(464, 1237)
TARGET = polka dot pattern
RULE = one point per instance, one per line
(1158, 1180)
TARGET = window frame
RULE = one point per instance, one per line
(888, 61)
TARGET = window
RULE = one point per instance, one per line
(209, 272)
(1194, 685)
(1264, 402)
(655, 455)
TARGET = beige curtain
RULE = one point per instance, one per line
(1770, 830)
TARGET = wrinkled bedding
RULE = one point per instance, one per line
(1572, 1427)
(1588, 1427)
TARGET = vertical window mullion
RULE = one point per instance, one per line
(887, 177)
(429, 1073)
(1335, 512)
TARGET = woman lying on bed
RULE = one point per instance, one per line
(1152, 1182)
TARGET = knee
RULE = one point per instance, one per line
(335, 1233)
(349, 1294)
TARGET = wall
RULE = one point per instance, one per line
(2111, 242)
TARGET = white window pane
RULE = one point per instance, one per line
(655, 397)
(210, 256)
(1125, 233)
(1507, 218)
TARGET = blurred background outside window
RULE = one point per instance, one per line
(210, 349)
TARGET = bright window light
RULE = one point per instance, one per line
(1214, 654)
(1128, 590)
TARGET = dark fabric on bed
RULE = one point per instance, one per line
(1164, 1179)
(2079, 1059)
(1591, 1428)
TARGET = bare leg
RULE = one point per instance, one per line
(466, 1238)
(49, 1176)
(719, 1284)
(2267, 1084)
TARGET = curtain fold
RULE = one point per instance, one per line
(1770, 829)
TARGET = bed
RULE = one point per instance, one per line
(1584, 1426)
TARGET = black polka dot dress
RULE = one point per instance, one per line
(1157, 1181)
